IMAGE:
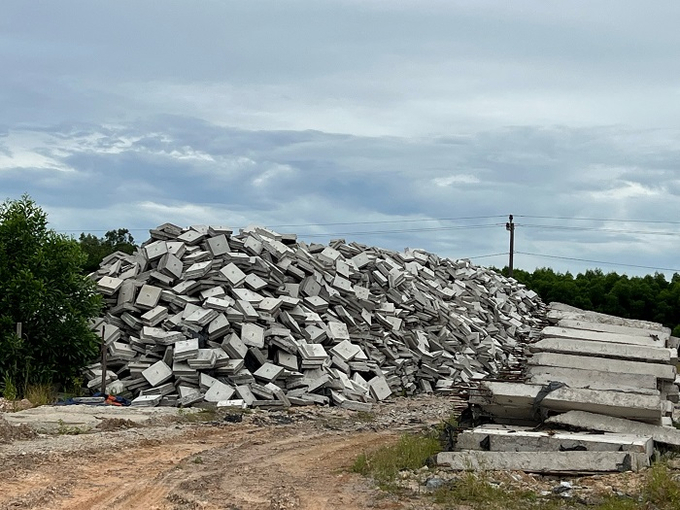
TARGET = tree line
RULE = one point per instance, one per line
(650, 297)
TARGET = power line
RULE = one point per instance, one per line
(576, 259)
(581, 218)
(367, 222)
(597, 229)
(398, 231)
(489, 255)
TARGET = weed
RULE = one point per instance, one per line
(68, 430)
(197, 460)
(40, 394)
(9, 389)
(410, 452)
(662, 488)
(201, 416)
(365, 416)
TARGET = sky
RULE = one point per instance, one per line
(392, 123)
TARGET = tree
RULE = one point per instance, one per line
(43, 288)
(96, 248)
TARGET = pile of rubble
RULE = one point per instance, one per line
(260, 319)
(612, 379)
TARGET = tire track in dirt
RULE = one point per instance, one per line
(235, 468)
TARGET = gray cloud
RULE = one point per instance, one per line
(308, 113)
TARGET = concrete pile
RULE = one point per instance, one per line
(260, 319)
(590, 372)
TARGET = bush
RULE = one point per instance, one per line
(42, 287)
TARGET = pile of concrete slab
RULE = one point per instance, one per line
(257, 318)
(613, 378)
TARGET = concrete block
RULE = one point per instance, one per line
(148, 297)
(157, 374)
(108, 285)
(233, 274)
(338, 331)
(540, 462)
(218, 245)
(252, 335)
(379, 388)
(171, 265)
(218, 391)
(268, 372)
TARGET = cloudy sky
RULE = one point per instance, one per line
(394, 123)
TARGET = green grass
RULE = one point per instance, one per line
(201, 416)
(383, 465)
(68, 430)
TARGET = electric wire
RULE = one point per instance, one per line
(577, 259)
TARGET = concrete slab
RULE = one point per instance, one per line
(540, 462)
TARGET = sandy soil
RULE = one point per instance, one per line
(297, 459)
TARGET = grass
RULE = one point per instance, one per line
(68, 430)
(384, 464)
(661, 491)
(40, 394)
(477, 491)
(202, 416)
(9, 389)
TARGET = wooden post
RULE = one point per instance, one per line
(103, 387)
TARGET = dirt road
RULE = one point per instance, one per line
(284, 460)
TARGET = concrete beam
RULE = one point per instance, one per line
(612, 350)
(580, 334)
(662, 372)
(593, 421)
(647, 408)
(663, 335)
(541, 462)
(593, 379)
(497, 438)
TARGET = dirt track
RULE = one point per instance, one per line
(265, 462)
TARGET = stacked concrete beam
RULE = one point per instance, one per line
(279, 322)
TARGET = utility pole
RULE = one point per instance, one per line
(510, 227)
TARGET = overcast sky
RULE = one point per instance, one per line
(393, 123)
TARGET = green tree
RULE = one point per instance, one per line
(43, 288)
(96, 249)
